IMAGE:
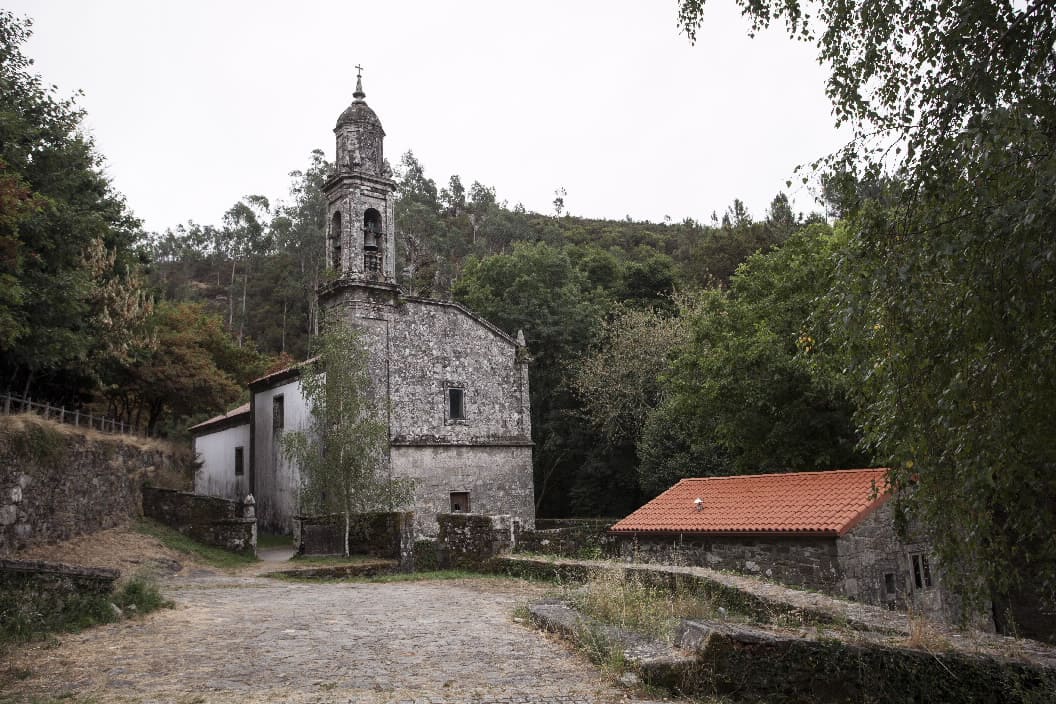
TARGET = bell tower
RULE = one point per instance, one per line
(361, 232)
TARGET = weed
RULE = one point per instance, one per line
(923, 635)
(331, 559)
(177, 541)
(634, 605)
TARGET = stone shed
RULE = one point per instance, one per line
(830, 531)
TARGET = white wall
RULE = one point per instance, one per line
(216, 451)
(277, 481)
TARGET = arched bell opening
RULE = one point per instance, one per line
(372, 233)
(335, 241)
(371, 230)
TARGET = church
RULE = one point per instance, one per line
(458, 414)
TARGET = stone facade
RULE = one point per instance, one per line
(800, 561)
(869, 563)
(454, 387)
(56, 483)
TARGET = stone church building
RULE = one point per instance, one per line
(456, 386)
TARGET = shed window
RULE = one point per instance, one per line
(459, 502)
(240, 467)
(278, 413)
(921, 571)
(456, 404)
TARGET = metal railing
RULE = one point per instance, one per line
(9, 403)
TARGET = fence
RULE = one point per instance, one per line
(10, 403)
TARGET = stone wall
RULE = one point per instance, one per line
(381, 534)
(799, 561)
(470, 541)
(226, 524)
(589, 540)
(56, 482)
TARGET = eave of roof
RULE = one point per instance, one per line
(231, 418)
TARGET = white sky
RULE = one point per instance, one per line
(195, 104)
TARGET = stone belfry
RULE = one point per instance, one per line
(361, 232)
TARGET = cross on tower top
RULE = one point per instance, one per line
(359, 94)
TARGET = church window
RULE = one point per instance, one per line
(459, 502)
(240, 467)
(456, 404)
(278, 413)
(335, 241)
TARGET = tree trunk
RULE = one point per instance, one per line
(283, 326)
(242, 320)
(346, 532)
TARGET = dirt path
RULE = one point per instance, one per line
(247, 639)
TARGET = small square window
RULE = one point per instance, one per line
(456, 404)
(240, 467)
(459, 502)
(921, 571)
(278, 413)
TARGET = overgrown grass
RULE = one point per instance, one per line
(628, 602)
(29, 613)
(177, 541)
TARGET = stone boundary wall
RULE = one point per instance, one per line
(222, 523)
(472, 540)
(380, 534)
(57, 482)
(587, 540)
(799, 561)
(56, 577)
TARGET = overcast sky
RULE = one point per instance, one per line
(195, 104)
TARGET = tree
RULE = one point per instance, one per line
(947, 293)
(69, 247)
(341, 454)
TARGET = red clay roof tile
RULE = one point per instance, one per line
(826, 503)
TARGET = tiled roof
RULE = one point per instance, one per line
(814, 503)
(292, 370)
(230, 415)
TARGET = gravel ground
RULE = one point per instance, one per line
(246, 639)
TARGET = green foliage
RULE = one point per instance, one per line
(71, 299)
(175, 540)
(945, 296)
(341, 454)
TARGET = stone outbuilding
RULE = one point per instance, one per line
(454, 386)
(830, 531)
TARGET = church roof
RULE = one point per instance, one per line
(236, 416)
(797, 503)
(359, 113)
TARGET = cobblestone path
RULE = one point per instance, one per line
(249, 640)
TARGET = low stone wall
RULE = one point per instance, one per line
(756, 664)
(587, 540)
(56, 577)
(226, 524)
(381, 534)
(799, 561)
(57, 482)
(472, 540)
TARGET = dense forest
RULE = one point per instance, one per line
(911, 324)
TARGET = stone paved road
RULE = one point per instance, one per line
(249, 640)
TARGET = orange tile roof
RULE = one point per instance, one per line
(815, 503)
